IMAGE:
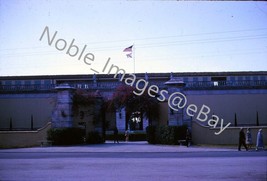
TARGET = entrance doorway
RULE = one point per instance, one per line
(135, 121)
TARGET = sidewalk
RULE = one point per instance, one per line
(109, 146)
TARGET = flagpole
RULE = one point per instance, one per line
(130, 53)
(134, 57)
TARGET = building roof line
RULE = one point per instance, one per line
(153, 75)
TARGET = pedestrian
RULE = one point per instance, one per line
(259, 143)
(248, 138)
(188, 138)
(115, 132)
(127, 135)
(242, 140)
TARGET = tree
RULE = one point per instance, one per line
(144, 104)
(83, 98)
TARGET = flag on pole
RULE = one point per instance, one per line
(128, 49)
(129, 55)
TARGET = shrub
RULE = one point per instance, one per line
(137, 137)
(65, 136)
(94, 138)
(165, 134)
(151, 134)
(121, 137)
(180, 132)
(132, 137)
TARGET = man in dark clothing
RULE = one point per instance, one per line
(188, 138)
(115, 131)
(242, 140)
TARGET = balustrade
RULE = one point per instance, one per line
(113, 85)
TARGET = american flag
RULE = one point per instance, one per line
(129, 55)
(128, 49)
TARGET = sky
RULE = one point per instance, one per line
(168, 36)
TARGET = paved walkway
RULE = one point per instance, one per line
(109, 146)
(132, 162)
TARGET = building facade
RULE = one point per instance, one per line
(30, 102)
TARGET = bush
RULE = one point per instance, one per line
(121, 137)
(137, 137)
(165, 134)
(132, 137)
(181, 132)
(65, 136)
(151, 134)
(94, 138)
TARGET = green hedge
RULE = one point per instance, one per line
(168, 135)
(137, 137)
(151, 134)
(132, 137)
(94, 137)
(65, 136)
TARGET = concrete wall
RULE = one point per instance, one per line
(163, 113)
(10, 139)
(225, 103)
(205, 135)
(20, 107)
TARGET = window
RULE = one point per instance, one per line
(47, 82)
(255, 78)
(218, 81)
(8, 82)
(205, 79)
(17, 82)
(232, 78)
(37, 82)
(27, 82)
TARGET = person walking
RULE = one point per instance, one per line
(248, 139)
(127, 135)
(242, 140)
(188, 138)
(115, 134)
(259, 143)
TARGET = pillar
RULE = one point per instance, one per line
(63, 114)
(175, 118)
(121, 119)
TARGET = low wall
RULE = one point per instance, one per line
(230, 136)
(11, 139)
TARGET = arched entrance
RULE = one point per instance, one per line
(135, 121)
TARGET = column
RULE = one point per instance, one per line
(121, 119)
(175, 118)
(63, 114)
